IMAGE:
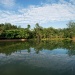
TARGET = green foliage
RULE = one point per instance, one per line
(10, 31)
(71, 26)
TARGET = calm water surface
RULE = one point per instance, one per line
(37, 58)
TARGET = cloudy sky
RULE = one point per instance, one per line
(48, 13)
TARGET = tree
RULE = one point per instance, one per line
(71, 26)
(38, 31)
(28, 26)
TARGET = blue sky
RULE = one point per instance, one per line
(48, 13)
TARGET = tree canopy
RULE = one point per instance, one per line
(9, 31)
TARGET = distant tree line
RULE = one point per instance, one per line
(9, 31)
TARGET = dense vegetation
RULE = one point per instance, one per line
(9, 31)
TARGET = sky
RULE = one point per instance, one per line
(48, 13)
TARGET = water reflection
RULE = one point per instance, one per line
(37, 58)
(10, 47)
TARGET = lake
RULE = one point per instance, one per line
(37, 58)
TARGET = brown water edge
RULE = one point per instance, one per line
(13, 40)
(73, 39)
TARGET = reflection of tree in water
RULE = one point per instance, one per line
(11, 47)
(70, 45)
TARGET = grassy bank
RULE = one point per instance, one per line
(57, 39)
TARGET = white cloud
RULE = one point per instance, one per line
(40, 14)
(72, 1)
(46, 13)
(67, 1)
(7, 3)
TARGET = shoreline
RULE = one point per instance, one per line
(12, 40)
(4, 40)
